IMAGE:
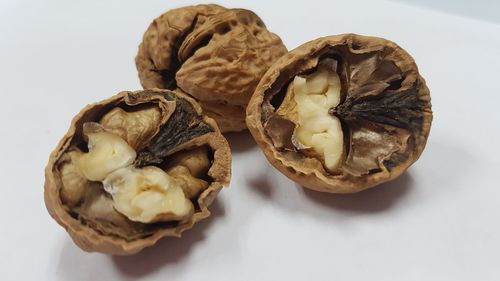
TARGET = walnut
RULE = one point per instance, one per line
(342, 113)
(135, 168)
(214, 54)
(188, 166)
(137, 128)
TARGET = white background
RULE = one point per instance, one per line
(439, 221)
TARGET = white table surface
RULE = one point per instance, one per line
(439, 221)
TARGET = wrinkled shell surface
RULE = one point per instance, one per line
(89, 217)
(214, 54)
(385, 112)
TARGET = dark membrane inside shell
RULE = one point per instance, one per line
(182, 126)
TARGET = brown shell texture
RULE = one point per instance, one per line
(214, 54)
(96, 226)
(385, 112)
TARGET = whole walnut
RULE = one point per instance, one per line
(214, 54)
(342, 113)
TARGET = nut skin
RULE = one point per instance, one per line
(90, 239)
(214, 54)
(306, 171)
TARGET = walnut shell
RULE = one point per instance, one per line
(214, 54)
(385, 112)
(90, 219)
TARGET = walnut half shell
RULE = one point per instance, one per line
(342, 113)
(152, 137)
(214, 54)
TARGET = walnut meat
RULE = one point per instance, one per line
(214, 54)
(135, 168)
(342, 113)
